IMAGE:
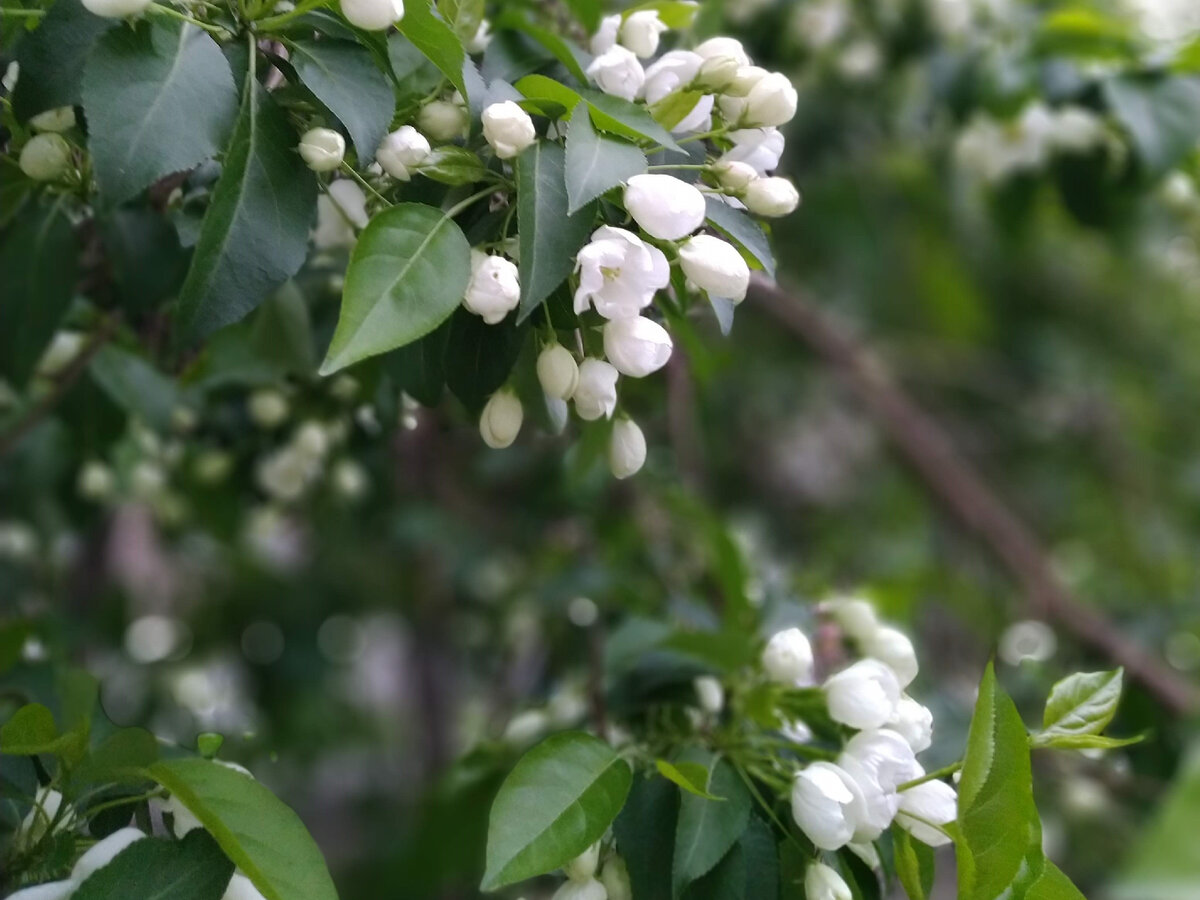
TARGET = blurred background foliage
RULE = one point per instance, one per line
(381, 651)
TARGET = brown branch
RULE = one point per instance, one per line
(964, 493)
(63, 381)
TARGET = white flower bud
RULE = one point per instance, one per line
(717, 73)
(732, 108)
(596, 394)
(583, 867)
(619, 273)
(311, 440)
(716, 266)
(745, 80)
(557, 372)
(772, 197)
(322, 149)
(855, 617)
(823, 883)
(59, 119)
(443, 120)
(637, 346)
(893, 648)
(788, 658)
(268, 408)
(826, 804)
(115, 9)
(771, 101)
(373, 15)
(606, 34)
(759, 148)
(932, 802)
(500, 422)
(212, 467)
(724, 46)
(640, 32)
(734, 176)
(626, 449)
(46, 807)
(349, 480)
(402, 151)
(914, 723)
(242, 888)
(617, 71)
(864, 695)
(615, 879)
(710, 693)
(11, 74)
(493, 290)
(508, 129)
(96, 481)
(147, 480)
(102, 853)
(45, 157)
(665, 206)
(480, 40)
(581, 890)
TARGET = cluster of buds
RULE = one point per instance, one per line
(587, 881)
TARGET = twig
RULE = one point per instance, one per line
(951, 478)
(63, 382)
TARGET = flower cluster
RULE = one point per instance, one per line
(997, 150)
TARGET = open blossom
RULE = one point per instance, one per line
(826, 804)
(493, 290)
(788, 658)
(626, 449)
(596, 394)
(667, 207)
(864, 695)
(508, 129)
(402, 151)
(619, 273)
(373, 15)
(636, 346)
(640, 32)
(760, 148)
(500, 421)
(617, 71)
(823, 883)
(925, 806)
(716, 266)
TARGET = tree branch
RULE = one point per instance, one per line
(964, 493)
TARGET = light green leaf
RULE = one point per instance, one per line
(1082, 741)
(1054, 885)
(344, 77)
(464, 16)
(550, 236)
(677, 14)
(480, 357)
(706, 830)
(135, 385)
(407, 275)
(159, 98)
(52, 57)
(675, 107)
(596, 164)
(914, 864)
(691, 776)
(436, 40)
(30, 731)
(263, 837)
(558, 801)
(255, 233)
(155, 869)
(746, 234)
(122, 756)
(453, 165)
(1083, 703)
(619, 116)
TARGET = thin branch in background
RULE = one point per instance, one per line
(965, 494)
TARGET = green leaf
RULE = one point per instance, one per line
(159, 98)
(550, 236)
(407, 275)
(746, 234)
(726, 880)
(1161, 114)
(420, 367)
(122, 756)
(1082, 741)
(148, 265)
(596, 164)
(464, 16)
(135, 385)
(453, 165)
(645, 833)
(1083, 703)
(675, 107)
(30, 731)
(479, 357)
(677, 14)
(39, 259)
(762, 860)
(706, 830)
(156, 869)
(263, 837)
(691, 776)
(620, 116)
(255, 233)
(436, 40)
(1054, 885)
(572, 57)
(344, 77)
(558, 801)
(415, 75)
(914, 864)
(52, 58)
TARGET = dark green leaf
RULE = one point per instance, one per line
(572, 57)
(415, 75)
(136, 386)
(558, 801)
(148, 265)
(52, 58)
(420, 367)
(155, 869)
(30, 731)
(726, 880)
(159, 98)
(746, 234)
(122, 756)
(407, 275)
(762, 860)
(344, 77)
(620, 116)
(480, 357)
(645, 833)
(707, 829)
(596, 164)
(436, 40)
(255, 233)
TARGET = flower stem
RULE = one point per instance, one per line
(363, 183)
(6, 12)
(463, 204)
(944, 772)
(271, 22)
(214, 30)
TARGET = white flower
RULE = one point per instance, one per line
(583, 867)
(734, 176)
(182, 820)
(596, 394)
(1076, 129)
(826, 804)
(823, 883)
(340, 210)
(914, 723)
(926, 805)
(11, 74)
(626, 449)
(771, 197)
(744, 81)
(717, 73)
(667, 207)
(493, 290)
(242, 888)
(508, 129)
(581, 890)
(606, 35)
(619, 273)
(865, 695)
(268, 408)
(322, 149)
(716, 266)
(788, 658)
(710, 694)
(615, 879)
(500, 422)
(60, 119)
(402, 151)
(373, 15)
(893, 648)
(350, 201)
(860, 61)
(480, 40)
(96, 481)
(54, 890)
(855, 617)
(772, 101)
(724, 46)
(349, 479)
(640, 32)
(45, 157)
(617, 71)
(102, 853)
(443, 120)
(885, 755)
(637, 346)
(115, 9)
(671, 72)
(557, 372)
(760, 148)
